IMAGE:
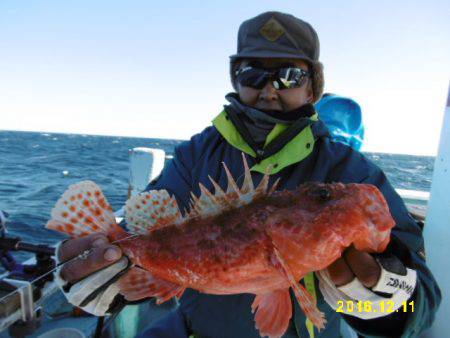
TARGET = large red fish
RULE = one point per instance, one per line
(244, 240)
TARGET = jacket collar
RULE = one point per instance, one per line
(296, 150)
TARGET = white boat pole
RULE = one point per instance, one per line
(145, 165)
(437, 228)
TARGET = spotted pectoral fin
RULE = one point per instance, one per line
(139, 284)
(83, 210)
(273, 312)
(304, 298)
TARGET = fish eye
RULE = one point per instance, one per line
(322, 194)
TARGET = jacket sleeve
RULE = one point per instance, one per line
(407, 244)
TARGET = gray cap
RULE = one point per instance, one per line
(277, 35)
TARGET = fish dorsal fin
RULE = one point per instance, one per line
(151, 210)
(209, 204)
(83, 210)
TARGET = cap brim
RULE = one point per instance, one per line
(270, 55)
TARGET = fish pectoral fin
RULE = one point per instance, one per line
(139, 284)
(83, 210)
(304, 298)
(273, 312)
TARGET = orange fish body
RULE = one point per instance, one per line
(241, 241)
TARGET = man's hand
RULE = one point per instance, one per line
(102, 255)
(358, 277)
(354, 263)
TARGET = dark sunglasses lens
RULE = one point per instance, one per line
(253, 77)
(291, 77)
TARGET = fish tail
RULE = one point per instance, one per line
(83, 210)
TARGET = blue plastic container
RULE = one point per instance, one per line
(343, 117)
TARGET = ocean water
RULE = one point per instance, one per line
(36, 168)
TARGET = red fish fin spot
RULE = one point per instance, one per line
(102, 202)
(72, 208)
(86, 203)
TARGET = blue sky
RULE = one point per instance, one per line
(160, 69)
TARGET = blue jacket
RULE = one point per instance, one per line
(230, 316)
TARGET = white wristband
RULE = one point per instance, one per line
(391, 282)
(355, 292)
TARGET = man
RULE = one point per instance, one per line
(277, 77)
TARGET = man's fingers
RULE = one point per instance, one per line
(340, 273)
(364, 266)
(99, 258)
(74, 247)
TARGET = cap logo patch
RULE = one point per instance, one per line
(271, 30)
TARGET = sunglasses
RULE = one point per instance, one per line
(281, 78)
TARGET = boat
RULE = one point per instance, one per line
(37, 308)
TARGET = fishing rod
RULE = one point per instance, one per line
(16, 244)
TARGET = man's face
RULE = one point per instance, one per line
(268, 98)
